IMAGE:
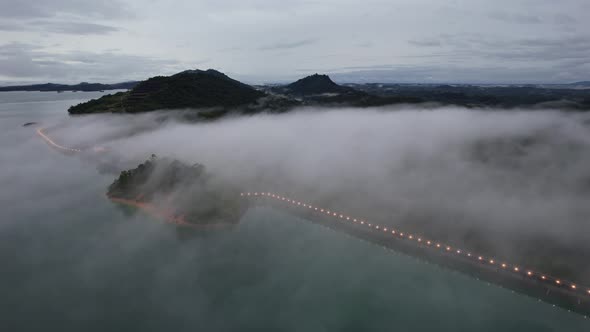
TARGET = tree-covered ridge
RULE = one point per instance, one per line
(316, 84)
(188, 89)
(189, 190)
(216, 94)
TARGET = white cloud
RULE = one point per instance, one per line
(238, 35)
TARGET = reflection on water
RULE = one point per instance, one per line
(71, 260)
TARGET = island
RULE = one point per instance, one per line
(185, 195)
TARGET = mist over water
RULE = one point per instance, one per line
(73, 260)
(489, 180)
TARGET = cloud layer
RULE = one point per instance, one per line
(262, 41)
(497, 182)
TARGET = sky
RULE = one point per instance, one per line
(263, 41)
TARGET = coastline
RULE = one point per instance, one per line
(168, 217)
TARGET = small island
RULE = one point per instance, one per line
(181, 194)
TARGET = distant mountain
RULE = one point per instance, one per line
(84, 86)
(216, 94)
(187, 89)
(582, 83)
(320, 90)
(316, 84)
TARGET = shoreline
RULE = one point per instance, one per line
(169, 218)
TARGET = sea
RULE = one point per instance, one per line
(71, 260)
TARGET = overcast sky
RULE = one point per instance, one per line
(494, 41)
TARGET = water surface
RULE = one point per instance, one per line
(73, 261)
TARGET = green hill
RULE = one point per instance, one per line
(187, 89)
(188, 190)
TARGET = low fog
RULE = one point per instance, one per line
(509, 183)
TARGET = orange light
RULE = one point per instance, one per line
(469, 255)
(438, 245)
(480, 258)
(543, 277)
(529, 273)
(385, 229)
(573, 286)
(458, 251)
(491, 261)
(362, 222)
(334, 213)
(516, 268)
(558, 282)
(448, 248)
(393, 232)
(411, 237)
(401, 234)
(428, 242)
(419, 240)
(321, 210)
(503, 265)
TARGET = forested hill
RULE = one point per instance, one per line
(187, 89)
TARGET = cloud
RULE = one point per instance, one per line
(425, 42)
(287, 45)
(515, 17)
(62, 16)
(518, 18)
(460, 74)
(63, 27)
(519, 59)
(27, 61)
(76, 28)
(31, 9)
(504, 178)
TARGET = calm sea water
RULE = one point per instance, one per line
(73, 261)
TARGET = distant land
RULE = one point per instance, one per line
(187, 89)
(215, 94)
(84, 86)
